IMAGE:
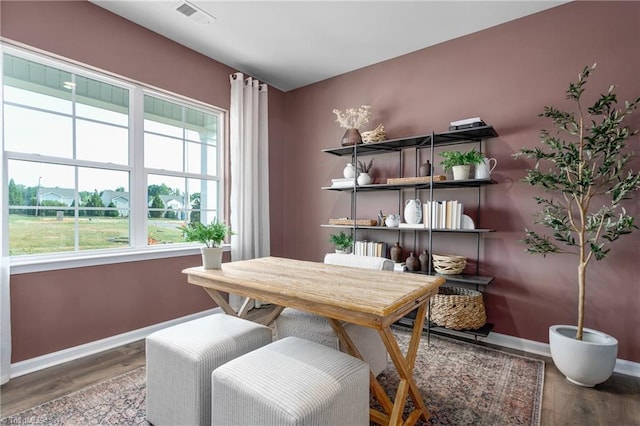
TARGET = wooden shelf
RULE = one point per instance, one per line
(422, 141)
(461, 278)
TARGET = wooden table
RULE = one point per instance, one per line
(370, 298)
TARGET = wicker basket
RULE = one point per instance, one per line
(448, 264)
(458, 308)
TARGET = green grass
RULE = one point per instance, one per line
(36, 235)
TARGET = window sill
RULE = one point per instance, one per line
(28, 264)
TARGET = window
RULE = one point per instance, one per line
(81, 179)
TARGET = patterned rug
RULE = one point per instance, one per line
(462, 384)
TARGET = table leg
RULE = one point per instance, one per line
(376, 388)
(217, 297)
(405, 365)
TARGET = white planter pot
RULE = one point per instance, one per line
(584, 362)
(211, 257)
(345, 251)
(461, 172)
(364, 179)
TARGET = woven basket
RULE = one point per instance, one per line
(448, 264)
(458, 308)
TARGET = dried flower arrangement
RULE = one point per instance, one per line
(364, 167)
(353, 118)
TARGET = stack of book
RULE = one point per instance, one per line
(342, 182)
(442, 214)
(467, 123)
(370, 248)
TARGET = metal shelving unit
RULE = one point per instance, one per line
(429, 141)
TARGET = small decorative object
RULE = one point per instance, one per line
(364, 178)
(425, 169)
(353, 119)
(392, 220)
(458, 308)
(376, 135)
(424, 261)
(211, 236)
(413, 264)
(349, 171)
(413, 211)
(342, 241)
(448, 264)
(460, 162)
(485, 167)
(396, 253)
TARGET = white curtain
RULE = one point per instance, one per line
(249, 144)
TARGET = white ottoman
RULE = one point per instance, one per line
(180, 360)
(291, 382)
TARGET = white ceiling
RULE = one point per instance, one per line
(290, 44)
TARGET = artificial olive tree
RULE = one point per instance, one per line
(583, 167)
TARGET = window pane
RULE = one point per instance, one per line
(202, 159)
(36, 132)
(101, 232)
(162, 153)
(166, 209)
(39, 100)
(102, 142)
(101, 101)
(42, 234)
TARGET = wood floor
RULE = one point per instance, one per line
(615, 402)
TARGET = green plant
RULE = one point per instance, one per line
(458, 158)
(211, 235)
(341, 240)
(588, 172)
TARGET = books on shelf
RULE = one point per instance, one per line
(442, 214)
(467, 123)
(370, 248)
(342, 182)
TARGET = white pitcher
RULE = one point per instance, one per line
(484, 169)
(413, 211)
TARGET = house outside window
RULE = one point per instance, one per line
(81, 180)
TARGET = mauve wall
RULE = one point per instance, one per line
(55, 310)
(505, 75)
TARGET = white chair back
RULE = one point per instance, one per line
(364, 262)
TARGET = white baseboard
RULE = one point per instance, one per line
(628, 368)
(623, 366)
(49, 360)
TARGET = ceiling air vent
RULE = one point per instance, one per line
(193, 12)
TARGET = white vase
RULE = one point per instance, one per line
(349, 171)
(461, 172)
(364, 179)
(585, 362)
(413, 211)
(211, 257)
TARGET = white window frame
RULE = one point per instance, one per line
(139, 249)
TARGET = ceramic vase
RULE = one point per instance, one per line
(424, 259)
(413, 264)
(396, 253)
(349, 171)
(364, 179)
(484, 169)
(413, 211)
(351, 137)
(425, 169)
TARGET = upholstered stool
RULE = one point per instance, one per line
(293, 322)
(180, 360)
(291, 382)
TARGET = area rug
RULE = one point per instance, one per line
(462, 384)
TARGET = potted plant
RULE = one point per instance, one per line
(342, 242)
(585, 164)
(460, 162)
(212, 236)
